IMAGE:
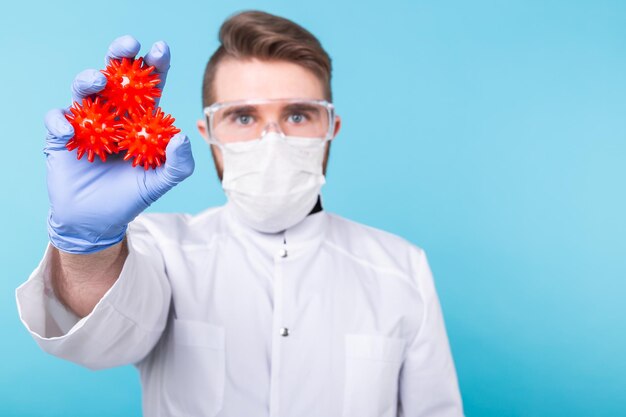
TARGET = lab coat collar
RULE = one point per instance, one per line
(308, 232)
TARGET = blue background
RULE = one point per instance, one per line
(492, 134)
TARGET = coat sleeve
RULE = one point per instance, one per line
(428, 382)
(123, 326)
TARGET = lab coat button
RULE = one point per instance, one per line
(283, 253)
(284, 331)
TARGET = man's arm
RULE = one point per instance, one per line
(428, 381)
(100, 296)
(126, 312)
(80, 281)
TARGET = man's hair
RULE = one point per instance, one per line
(260, 35)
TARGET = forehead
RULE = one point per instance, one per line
(243, 79)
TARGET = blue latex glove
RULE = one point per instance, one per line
(91, 204)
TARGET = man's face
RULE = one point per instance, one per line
(237, 79)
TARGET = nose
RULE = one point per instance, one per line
(268, 128)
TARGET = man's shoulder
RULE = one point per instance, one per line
(176, 226)
(370, 244)
(344, 227)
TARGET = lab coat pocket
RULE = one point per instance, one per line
(372, 366)
(195, 371)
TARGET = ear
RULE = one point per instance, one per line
(337, 125)
(201, 125)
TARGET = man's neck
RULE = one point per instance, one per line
(318, 206)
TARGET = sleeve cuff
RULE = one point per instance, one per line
(43, 314)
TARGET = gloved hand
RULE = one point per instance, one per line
(91, 204)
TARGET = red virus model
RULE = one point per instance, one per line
(131, 85)
(122, 117)
(146, 135)
(96, 131)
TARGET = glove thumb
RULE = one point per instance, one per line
(179, 163)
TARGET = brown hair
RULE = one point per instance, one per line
(256, 34)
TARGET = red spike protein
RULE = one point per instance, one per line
(146, 135)
(131, 85)
(96, 131)
(122, 117)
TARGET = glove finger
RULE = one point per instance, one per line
(86, 83)
(159, 56)
(59, 130)
(179, 164)
(123, 47)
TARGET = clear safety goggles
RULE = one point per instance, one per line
(247, 120)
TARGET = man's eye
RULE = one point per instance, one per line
(297, 118)
(244, 119)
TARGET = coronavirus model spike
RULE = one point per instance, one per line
(96, 131)
(131, 85)
(146, 135)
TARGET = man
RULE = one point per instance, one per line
(267, 306)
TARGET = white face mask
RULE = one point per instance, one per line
(272, 184)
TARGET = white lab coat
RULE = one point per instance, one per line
(329, 318)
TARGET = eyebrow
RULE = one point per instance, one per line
(302, 107)
(252, 109)
(239, 110)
